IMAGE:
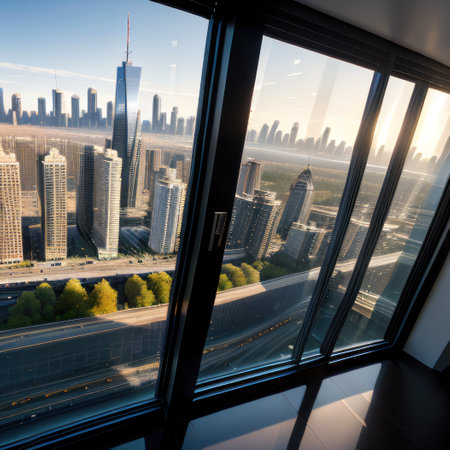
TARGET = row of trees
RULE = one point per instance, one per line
(42, 305)
(152, 291)
(234, 276)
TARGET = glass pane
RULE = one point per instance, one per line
(416, 199)
(95, 160)
(393, 110)
(291, 181)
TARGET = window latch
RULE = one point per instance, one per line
(218, 229)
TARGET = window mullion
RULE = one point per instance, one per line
(353, 183)
(379, 216)
(228, 78)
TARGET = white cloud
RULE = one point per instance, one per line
(294, 74)
(175, 43)
(60, 73)
(297, 61)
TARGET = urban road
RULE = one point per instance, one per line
(272, 337)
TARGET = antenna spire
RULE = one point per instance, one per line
(128, 38)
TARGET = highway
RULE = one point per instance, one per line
(250, 324)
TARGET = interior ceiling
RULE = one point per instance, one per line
(420, 25)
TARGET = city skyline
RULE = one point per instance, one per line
(81, 60)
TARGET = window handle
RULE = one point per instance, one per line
(218, 229)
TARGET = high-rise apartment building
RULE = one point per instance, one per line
(16, 106)
(167, 214)
(173, 120)
(324, 139)
(152, 165)
(92, 107)
(156, 112)
(293, 135)
(298, 205)
(75, 110)
(106, 203)
(54, 205)
(263, 221)
(109, 114)
(127, 131)
(42, 111)
(180, 126)
(10, 210)
(249, 177)
(2, 107)
(85, 191)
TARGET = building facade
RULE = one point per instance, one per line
(10, 210)
(54, 205)
(298, 205)
(249, 177)
(106, 203)
(127, 131)
(167, 214)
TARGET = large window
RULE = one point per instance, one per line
(198, 203)
(96, 151)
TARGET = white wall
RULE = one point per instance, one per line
(431, 332)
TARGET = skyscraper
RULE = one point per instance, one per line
(2, 106)
(167, 214)
(106, 212)
(152, 164)
(163, 122)
(249, 177)
(273, 129)
(10, 210)
(262, 136)
(263, 221)
(173, 120)
(109, 114)
(75, 111)
(156, 112)
(85, 191)
(324, 139)
(54, 206)
(42, 111)
(298, 205)
(127, 130)
(293, 135)
(16, 106)
(58, 100)
(180, 126)
(190, 124)
(92, 107)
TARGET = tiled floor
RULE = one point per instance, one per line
(396, 404)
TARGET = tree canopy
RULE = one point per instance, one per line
(235, 275)
(73, 302)
(224, 283)
(103, 298)
(25, 312)
(160, 283)
(251, 274)
(137, 293)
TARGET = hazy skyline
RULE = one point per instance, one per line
(85, 41)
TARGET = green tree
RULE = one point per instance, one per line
(251, 274)
(45, 294)
(137, 293)
(270, 271)
(235, 275)
(25, 312)
(160, 283)
(73, 302)
(103, 298)
(258, 265)
(224, 283)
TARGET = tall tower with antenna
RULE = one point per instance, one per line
(127, 128)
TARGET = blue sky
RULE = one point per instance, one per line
(84, 42)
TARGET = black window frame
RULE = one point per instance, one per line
(231, 58)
